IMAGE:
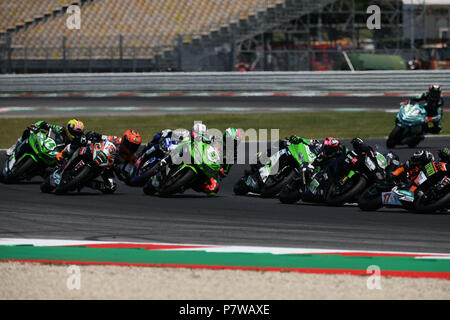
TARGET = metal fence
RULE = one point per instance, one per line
(141, 59)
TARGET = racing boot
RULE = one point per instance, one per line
(104, 187)
(212, 187)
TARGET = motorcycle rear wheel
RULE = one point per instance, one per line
(442, 203)
(142, 180)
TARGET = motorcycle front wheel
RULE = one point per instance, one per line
(395, 137)
(78, 181)
(289, 194)
(240, 188)
(17, 173)
(370, 200)
(178, 183)
(336, 198)
(276, 183)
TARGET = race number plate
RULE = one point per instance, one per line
(390, 198)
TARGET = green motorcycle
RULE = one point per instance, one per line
(278, 171)
(32, 156)
(203, 163)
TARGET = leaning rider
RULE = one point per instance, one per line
(408, 173)
(126, 147)
(71, 134)
(198, 132)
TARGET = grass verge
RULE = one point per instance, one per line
(309, 125)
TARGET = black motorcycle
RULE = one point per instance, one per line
(343, 179)
(433, 193)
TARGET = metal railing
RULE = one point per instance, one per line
(303, 82)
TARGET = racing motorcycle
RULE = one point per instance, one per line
(177, 176)
(409, 125)
(433, 193)
(86, 164)
(148, 163)
(278, 171)
(32, 157)
(345, 178)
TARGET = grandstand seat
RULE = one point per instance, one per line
(143, 24)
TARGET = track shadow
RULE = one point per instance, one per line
(184, 196)
(23, 183)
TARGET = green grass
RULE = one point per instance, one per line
(309, 125)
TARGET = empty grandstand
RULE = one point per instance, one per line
(188, 35)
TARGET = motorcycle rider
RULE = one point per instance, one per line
(150, 149)
(126, 146)
(73, 133)
(198, 132)
(322, 152)
(434, 107)
(408, 173)
(157, 138)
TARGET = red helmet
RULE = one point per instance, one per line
(331, 146)
(131, 141)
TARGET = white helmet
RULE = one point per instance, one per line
(199, 129)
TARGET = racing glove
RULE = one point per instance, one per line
(294, 139)
(60, 157)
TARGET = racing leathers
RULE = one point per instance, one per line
(108, 185)
(210, 186)
(434, 109)
(321, 156)
(410, 178)
(60, 131)
(317, 157)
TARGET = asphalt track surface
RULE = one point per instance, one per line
(129, 215)
(173, 104)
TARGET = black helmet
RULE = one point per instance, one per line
(357, 143)
(435, 92)
(421, 157)
(392, 159)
